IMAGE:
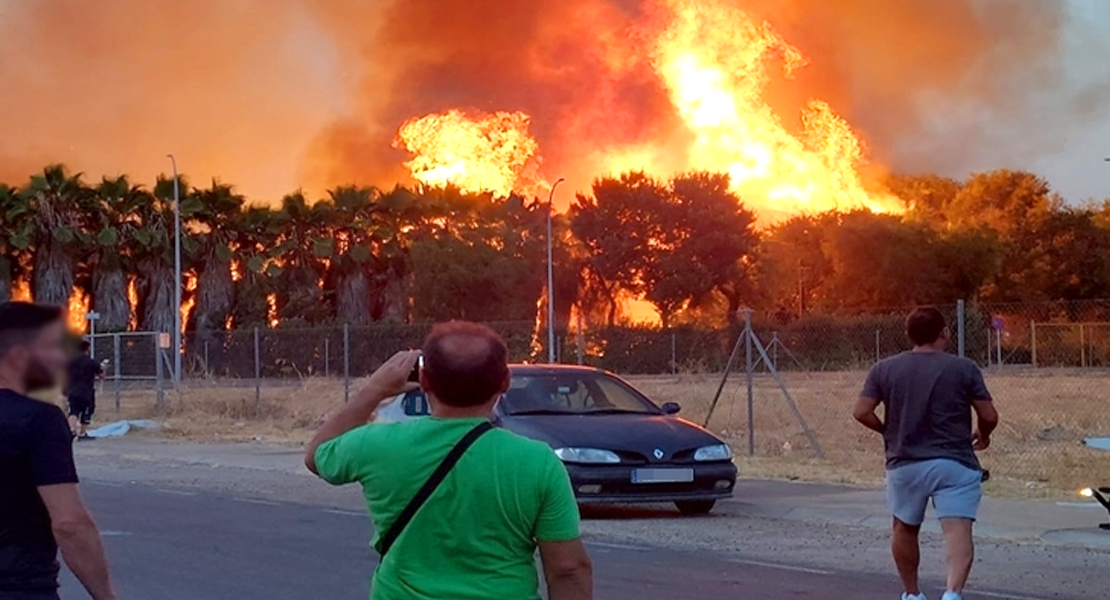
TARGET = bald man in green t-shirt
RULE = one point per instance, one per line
(476, 535)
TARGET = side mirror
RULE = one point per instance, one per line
(671, 408)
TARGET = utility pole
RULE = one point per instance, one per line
(177, 274)
(551, 276)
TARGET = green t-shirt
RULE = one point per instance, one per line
(476, 536)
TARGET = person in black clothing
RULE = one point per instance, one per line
(81, 374)
(41, 510)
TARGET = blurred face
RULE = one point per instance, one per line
(43, 358)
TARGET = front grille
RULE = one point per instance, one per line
(654, 489)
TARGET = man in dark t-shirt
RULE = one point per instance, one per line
(40, 506)
(929, 396)
(81, 375)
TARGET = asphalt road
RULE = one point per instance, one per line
(179, 544)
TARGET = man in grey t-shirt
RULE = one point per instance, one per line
(928, 396)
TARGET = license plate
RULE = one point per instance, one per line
(662, 475)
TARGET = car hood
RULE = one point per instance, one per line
(631, 435)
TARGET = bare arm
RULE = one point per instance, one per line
(568, 570)
(78, 538)
(987, 421)
(864, 412)
(389, 380)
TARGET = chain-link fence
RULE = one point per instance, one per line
(132, 361)
(1046, 364)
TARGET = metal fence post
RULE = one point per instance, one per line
(750, 368)
(257, 372)
(346, 363)
(115, 366)
(960, 331)
(1082, 348)
(674, 353)
(1032, 344)
(160, 398)
(327, 358)
(581, 340)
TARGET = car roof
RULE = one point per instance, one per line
(542, 369)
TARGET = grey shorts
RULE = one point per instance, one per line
(954, 488)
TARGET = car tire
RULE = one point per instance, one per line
(695, 507)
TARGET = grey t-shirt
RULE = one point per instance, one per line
(928, 398)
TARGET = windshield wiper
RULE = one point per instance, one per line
(541, 411)
(617, 411)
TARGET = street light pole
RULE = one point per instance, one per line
(177, 273)
(551, 277)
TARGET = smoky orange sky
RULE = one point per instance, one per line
(272, 95)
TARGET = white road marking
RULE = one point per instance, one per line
(1079, 504)
(345, 513)
(253, 501)
(998, 595)
(756, 563)
(175, 492)
(103, 483)
(618, 546)
(111, 533)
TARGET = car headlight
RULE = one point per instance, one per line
(716, 452)
(587, 455)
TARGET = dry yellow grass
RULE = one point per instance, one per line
(1037, 451)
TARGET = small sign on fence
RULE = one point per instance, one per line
(164, 341)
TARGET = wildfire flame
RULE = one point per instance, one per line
(714, 62)
(717, 76)
(482, 153)
(190, 300)
(76, 312)
(272, 310)
(21, 290)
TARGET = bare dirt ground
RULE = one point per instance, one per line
(1038, 450)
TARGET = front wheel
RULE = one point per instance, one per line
(695, 507)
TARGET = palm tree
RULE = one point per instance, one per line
(394, 215)
(256, 230)
(60, 203)
(17, 231)
(154, 258)
(302, 253)
(212, 225)
(350, 251)
(113, 224)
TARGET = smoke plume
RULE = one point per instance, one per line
(276, 94)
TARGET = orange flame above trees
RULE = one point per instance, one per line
(714, 61)
(483, 153)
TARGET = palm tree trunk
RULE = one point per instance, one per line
(52, 281)
(156, 295)
(5, 280)
(215, 295)
(353, 299)
(110, 300)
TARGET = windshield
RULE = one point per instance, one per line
(572, 393)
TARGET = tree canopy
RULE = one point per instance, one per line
(688, 246)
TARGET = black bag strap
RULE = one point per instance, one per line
(430, 486)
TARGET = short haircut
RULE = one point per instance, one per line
(465, 364)
(925, 325)
(21, 322)
(84, 346)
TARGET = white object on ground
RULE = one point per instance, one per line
(121, 428)
(1102, 443)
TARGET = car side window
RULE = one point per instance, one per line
(415, 404)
